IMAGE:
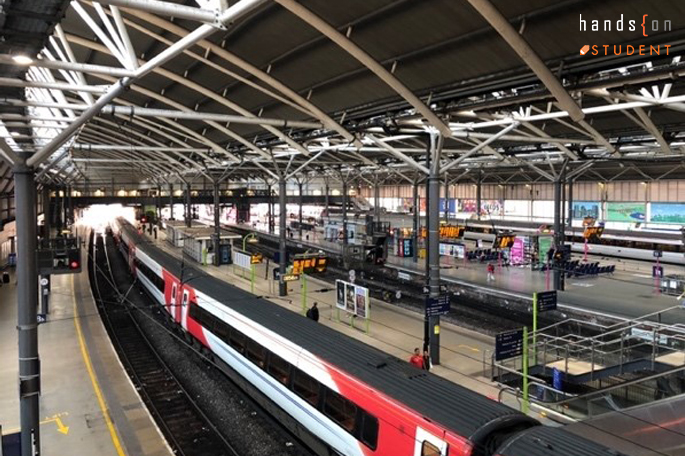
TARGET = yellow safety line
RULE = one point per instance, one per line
(93, 379)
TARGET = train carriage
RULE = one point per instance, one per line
(338, 393)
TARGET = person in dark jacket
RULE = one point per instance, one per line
(426, 360)
(313, 312)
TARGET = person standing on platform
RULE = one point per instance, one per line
(491, 272)
(313, 312)
(417, 360)
(426, 360)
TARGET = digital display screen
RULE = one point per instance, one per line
(310, 265)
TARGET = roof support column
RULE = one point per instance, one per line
(344, 218)
(47, 212)
(27, 299)
(171, 201)
(417, 220)
(376, 200)
(479, 194)
(299, 186)
(569, 199)
(271, 208)
(446, 207)
(217, 224)
(558, 229)
(326, 199)
(282, 251)
(188, 215)
(159, 206)
(433, 254)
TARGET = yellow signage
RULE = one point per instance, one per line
(593, 232)
(505, 242)
(311, 264)
(446, 231)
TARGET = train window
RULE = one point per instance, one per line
(185, 298)
(256, 353)
(279, 368)
(306, 387)
(238, 341)
(340, 410)
(221, 329)
(368, 429)
(173, 293)
(428, 449)
(196, 314)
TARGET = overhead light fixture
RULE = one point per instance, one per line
(22, 59)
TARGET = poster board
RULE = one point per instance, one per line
(626, 212)
(667, 213)
(242, 260)
(582, 209)
(352, 298)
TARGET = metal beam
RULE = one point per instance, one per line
(194, 115)
(480, 146)
(233, 13)
(7, 59)
(355, 51)
(397, 154)
(13, 82)
(653, 130)
(166, 9)
(500, 23)
(8, 154)
(253, 70)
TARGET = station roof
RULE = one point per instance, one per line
(351, 90)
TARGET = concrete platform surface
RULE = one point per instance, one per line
(88, 404)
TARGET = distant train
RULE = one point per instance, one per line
(339, 395)
(633, 245)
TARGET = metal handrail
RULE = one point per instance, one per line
(618, 386)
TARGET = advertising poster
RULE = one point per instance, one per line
(516, 254)
(450, 205)
(350, 298)
(582, 209)
(362, 295)
(340, 297)
(626, 212)
(453, 250)
(667, 213)
(467, 205)
(489, 207)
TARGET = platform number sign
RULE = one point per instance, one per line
(508, 345)
(546, 300)
(437, 306)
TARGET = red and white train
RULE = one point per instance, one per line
(340, 396)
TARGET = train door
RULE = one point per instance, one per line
(184, 308)
(426, 444)
(172, 301)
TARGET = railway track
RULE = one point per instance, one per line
(187, 429)
(383, 284)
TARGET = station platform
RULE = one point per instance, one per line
(628, 293)
(88, 404)
(392, 329)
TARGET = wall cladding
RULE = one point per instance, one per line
(665, 191)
